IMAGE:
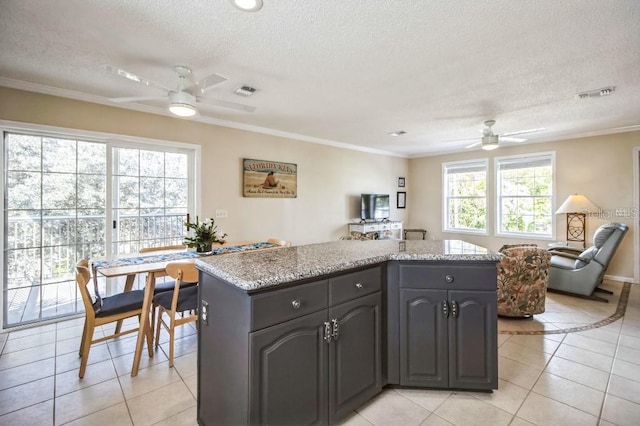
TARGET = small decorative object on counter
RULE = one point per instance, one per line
(204, 235)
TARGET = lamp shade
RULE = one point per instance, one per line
(577, 203)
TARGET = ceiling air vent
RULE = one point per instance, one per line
(605, 91)
(245, 91)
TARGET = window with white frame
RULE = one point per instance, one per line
(71, 198)
(465, 196)
(524, 188)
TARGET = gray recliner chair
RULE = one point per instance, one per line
(579, 272)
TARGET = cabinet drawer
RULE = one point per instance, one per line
(454, 277)
(282, 305)
(350, 286)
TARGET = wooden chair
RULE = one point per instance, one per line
(181, 299)
(103, 311)
(165, 285)
(283, 243)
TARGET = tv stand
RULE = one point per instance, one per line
(386, 229)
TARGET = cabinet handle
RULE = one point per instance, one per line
(327, 331)
(454, 309)
(336, 332)
(448, 278)
(445, 309)
(359, 286)
(296, 304)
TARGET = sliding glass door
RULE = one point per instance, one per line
(68, 199)
(150, 198)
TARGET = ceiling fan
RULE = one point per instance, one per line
(490, 140)
(188, 92)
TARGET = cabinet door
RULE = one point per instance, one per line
(354, 359)
(288, 373)
(423, 338)
(473, 340)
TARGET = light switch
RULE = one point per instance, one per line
(204, 312)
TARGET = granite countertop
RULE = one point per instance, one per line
(260, 269)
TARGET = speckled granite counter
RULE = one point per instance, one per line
(256, 270)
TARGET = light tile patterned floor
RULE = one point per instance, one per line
(589, 377)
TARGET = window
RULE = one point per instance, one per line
(465, 196)
(525, 195)
(67, 199)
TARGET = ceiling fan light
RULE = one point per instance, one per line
(182, 110)
(490, 142)
(247, 5)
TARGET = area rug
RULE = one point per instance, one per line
(569, 314)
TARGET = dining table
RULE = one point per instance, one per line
(154, 264)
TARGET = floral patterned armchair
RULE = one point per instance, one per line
(361, 236)
(523, 276)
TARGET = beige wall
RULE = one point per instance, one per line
(600, 167)
(330, 179)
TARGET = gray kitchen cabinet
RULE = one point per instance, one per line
(448, 330)
(289, 372)
(313, 350)
(317, 368)
(354, 357)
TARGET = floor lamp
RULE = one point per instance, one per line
(576, 208)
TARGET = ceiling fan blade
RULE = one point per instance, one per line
(522, 132)
(462, 140)
(133, 77)
(227, 104)
(137, 98)
(473, 144)
(207, 83)
(509, 139)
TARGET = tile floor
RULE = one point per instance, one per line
(589, 377)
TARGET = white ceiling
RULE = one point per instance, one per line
(347, 71)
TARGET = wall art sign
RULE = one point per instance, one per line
(269, 179)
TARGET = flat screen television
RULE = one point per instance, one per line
(374, 206)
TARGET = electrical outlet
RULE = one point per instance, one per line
(204, 312)
(221, 214)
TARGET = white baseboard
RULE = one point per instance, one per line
(621, 279)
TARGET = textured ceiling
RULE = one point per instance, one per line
(347, 71)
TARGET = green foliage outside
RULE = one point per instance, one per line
(466, 194)
(56, 207)
(524, 201)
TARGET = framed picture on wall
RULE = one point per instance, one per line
(269, 179)
(402, 200)
(400, 182)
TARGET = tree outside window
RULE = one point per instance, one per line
(525, 195)
(465, 196)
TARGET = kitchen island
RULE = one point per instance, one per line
(306, 334)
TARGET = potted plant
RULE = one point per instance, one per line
(204, 235)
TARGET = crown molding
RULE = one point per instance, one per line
(84, 97)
